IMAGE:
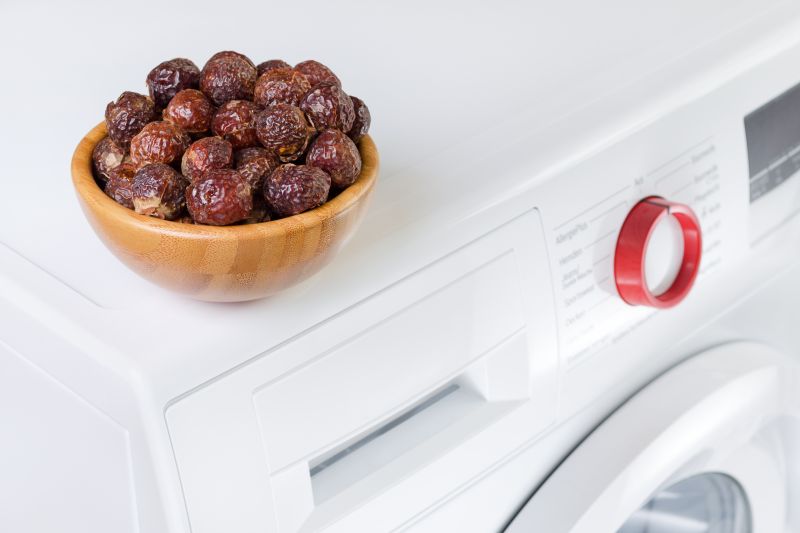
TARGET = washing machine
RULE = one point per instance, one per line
(571, 307)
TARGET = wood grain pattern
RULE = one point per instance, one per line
(227, 263)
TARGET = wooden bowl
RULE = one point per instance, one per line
(225, 263)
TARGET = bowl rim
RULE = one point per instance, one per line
(90, 192)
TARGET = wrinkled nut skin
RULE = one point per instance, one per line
(119, 186)
(285, 85)
(220, 198)
(206, 154)
(327, 106)
(317, 73)
(255, 164)
(228, 78)
(158, 142)
(336, 154)
(158, 191)
(227, 54)
(270, 65)
(106, 156)
(362, 120)
(293, 189)
(190, 110)
(234, 121)
(126, 116)
(169, 78)
(283, 130)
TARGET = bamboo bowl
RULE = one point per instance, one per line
(226, 263)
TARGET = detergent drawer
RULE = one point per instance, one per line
(425, 384)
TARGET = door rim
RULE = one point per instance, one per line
(704, 415)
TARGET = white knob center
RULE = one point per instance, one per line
(664, 254)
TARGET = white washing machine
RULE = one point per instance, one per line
(473, 360)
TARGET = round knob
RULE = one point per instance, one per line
(646, 249)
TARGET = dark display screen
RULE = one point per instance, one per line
(773, 142)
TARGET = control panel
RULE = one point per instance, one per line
(633, 236)
(635, 226)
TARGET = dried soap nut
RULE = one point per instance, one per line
(336, 154)
(204, 155)
(327, 106)
(260, 211)
(169, 78)
(234, 121)
(119, 186)
(158, 142)
(293, 189)
(158, 191)
(270, 65)
(283, 130)
(255, 164)
(362, 120)
(285, 85)
(191, 110)
(225, 54)
(106, 156)
(126, 116)
(220, 198)
(228, 78)
(317, 73)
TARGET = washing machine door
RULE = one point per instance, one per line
(699, 449)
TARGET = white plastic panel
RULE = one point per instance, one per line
(696, 154)
(479, 322)
(400, 358)
(583, 233)
(707, 415)
(65, 465)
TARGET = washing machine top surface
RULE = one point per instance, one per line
(450, 169)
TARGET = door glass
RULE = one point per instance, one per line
(705, 503)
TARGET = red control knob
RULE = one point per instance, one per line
(632, 244)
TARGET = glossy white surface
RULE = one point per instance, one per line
(471, 319)
(637, 100)
(716, 412)
(555, 109)
(70, 460)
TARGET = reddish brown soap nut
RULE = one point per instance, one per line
(190, 110)
(285, 85)
(126, 116)
(327, 106)
(255, 164)
(225, 54)
(106, 155)
(361, 121)
(234, 121)
(317, 73)
(119, 186)
(158, 142)
(228, 78)
(283, 130)
(293, 189)
(206, 154)
(158, 191)
(169, 78)
(260, 211)
(220, 198)
(270, 65)
(336, 154)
